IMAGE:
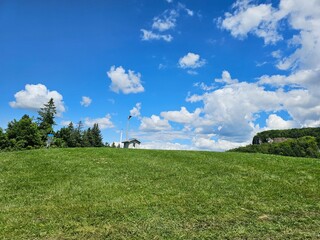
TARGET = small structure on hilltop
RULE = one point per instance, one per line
(133, 141)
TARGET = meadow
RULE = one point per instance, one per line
(106, 193)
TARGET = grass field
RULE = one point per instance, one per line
(103, 193)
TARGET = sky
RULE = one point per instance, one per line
(194, 75)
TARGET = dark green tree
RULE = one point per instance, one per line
(96, 136)
(86, 136)
(78, 134)
(23, 133)
(68, 135)
(46, 118)
(4, 141)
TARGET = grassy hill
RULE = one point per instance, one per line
(102, 193)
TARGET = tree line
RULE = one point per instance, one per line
(30, 133)
(304, 142)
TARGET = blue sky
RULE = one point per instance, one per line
(201, 75)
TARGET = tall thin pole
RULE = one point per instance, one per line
(121, 136)
(127, 131)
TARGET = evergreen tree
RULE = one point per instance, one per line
(90, 137)
(23, 133)
(85, 139)
(72, 141)
(96, 136)
(78, 134)
(46, 119)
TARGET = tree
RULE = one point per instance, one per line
(4, 141)
(46, 118)
(86, 139)
(68, 135)
(96, 136)
(78, 134)
(23, 133)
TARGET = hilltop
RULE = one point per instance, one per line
(105, 193)
(297, 142)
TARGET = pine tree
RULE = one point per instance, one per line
(46, 119)
(78, 134)
(96, 136)
(85, 139)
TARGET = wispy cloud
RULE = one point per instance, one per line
(86, 101)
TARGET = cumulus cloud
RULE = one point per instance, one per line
(135, 111)
(191, 60)
(276, 122)
(86, 101)
(260, 20)
(104, 122)
(182, 116)
(154, 123)
(232, 108)
(263, 20)
(226, 78)
(126, 82)
(149, 35)
(33, 97)
(205, 143)
(164, 145)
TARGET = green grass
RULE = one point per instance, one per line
(103, 193)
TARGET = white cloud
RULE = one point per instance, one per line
(164, 145)
(204, 86)
(276, 54)
(104, 122)
(232, 108)
(302, 78)
(276, 122)
(135, 111)
(226, 78)
(203, 143)
(260, 20)
(263, 21)
(149, 35)
(86, 101)
(124, 82)
(303, 17)
(65, 123)
(163, 23)
(191, 60)
(187, 10)
(33, 97)
(154, 123)
(192, 72)
(182, 116)
(166, 21)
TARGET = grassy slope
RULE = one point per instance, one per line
(139, 194)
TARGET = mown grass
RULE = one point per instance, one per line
(102, 193)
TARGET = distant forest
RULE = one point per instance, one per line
(30, 133)
(304, 142)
